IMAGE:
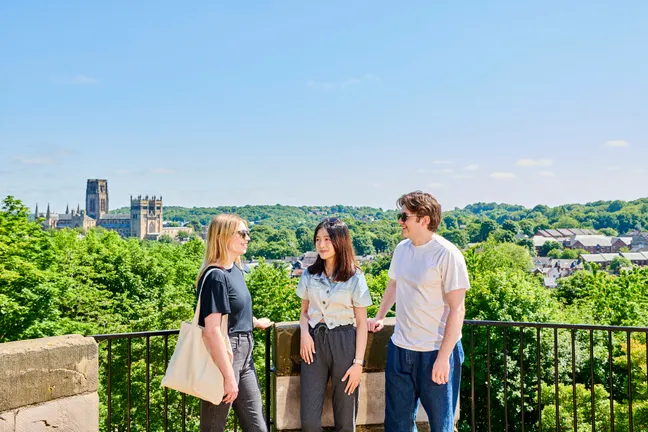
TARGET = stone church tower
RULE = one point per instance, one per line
(146, 217)
(96, 198)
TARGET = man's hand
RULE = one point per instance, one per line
(353, 374)
(262, 323)
(306, 347)
(230, 390)
(375, 325)
(441, 370)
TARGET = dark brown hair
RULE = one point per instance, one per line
(345, 265)
(422, 204)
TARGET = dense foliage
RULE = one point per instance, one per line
(58, 282)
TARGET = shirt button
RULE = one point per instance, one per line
(323, 302)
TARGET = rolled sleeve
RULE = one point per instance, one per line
(302, 286)
(361, 297)
(455, 273)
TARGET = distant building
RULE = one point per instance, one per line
(565, 232)
(143, 222)
(639, 240)
(598, 243)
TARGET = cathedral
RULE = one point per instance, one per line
(143, 222)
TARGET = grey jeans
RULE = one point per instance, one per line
(334, 353)
(248, 405)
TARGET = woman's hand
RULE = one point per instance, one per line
(262, 323)
(353, 374)
(230, 390)
(306, 347)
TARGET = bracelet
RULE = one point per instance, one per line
(359, 361)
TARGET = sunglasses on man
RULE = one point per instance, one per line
(403, 217)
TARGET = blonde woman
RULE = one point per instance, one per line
(225, 296)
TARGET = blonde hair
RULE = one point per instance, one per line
(219, 232)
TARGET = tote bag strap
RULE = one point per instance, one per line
(197, 312)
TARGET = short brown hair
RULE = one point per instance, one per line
(422, 204)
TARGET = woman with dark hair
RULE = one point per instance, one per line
(334, 297)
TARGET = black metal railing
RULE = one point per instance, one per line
(118, 367)
(517, 376)
(540, 377)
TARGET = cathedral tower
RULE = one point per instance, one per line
(146, 217)
(96, 198)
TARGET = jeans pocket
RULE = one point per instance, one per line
(235, 344)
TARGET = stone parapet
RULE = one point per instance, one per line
(287, 390)
(49, 383)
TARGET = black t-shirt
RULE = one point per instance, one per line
(224, 291)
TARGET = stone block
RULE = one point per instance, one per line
(286, 348)
(72, 414)
(40, 370)
(371, 408)
(8, 421)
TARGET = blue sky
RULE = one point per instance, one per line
(337, 102)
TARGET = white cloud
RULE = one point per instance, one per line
(502, 175)
(434, 185)
(613, 168)
(84, 79)
(162, 171)
(471, 167)
(534, 162)
(617, 144)
(333, 85)
(463, 176)
(442, 162)
(546, 173)
(446, 171)
(421, 171)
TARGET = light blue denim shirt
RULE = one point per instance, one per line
(333, 301)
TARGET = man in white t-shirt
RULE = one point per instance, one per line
(428, 282)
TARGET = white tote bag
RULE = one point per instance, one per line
(191, 369)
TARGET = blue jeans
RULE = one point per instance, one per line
(408, 380)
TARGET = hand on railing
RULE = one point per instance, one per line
(375, 324)
(262, 323)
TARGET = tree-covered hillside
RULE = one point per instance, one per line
(64, 281)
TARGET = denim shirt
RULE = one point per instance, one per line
(333, 301)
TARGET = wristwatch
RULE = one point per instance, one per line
(359, 361)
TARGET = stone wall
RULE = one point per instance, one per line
(49, 384)
(286, 389)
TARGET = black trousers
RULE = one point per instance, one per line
(248, 405)
(334, 354)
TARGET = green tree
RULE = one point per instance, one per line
(548, 246)
(363, 245)
(487, 227)
(619, 263)
(458, 237)
(511, 226)
(503, 236)
(609, 232)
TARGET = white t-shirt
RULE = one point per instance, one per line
(423, 275)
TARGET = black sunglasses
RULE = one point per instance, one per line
(403, 217)
(244, 233)
(331, 220)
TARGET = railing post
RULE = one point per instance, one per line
(267, 377)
